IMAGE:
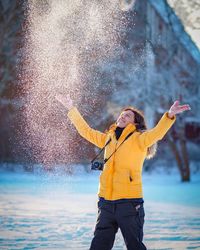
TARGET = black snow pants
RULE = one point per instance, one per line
(128, 216)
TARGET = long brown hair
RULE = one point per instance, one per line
(141, 126)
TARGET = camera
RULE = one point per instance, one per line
(97, 165)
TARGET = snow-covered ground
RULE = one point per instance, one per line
(51, 211)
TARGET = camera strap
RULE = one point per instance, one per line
(114, 151)
(101, 151)
(119, 146)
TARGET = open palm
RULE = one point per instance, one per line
(176, 108)
(65, 100)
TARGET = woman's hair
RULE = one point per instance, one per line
(141, 127)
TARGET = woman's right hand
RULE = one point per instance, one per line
(65, 100)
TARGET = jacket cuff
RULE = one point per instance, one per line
(167, 115)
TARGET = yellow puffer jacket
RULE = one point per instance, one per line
(122, 174)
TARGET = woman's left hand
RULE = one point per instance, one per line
(176, 109)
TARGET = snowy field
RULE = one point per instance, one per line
(52, 211)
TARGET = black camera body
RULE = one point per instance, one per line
(97, 165)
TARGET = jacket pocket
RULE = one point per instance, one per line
(135, 178)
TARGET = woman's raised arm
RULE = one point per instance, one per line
(149, 137)
(94, 136)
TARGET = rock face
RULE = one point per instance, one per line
(156, 64)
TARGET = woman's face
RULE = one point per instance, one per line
(125, 118)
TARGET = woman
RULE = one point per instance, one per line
(120, 193)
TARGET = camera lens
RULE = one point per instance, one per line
(96, 164)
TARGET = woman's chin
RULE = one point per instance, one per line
(120, 125)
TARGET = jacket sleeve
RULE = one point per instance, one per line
(96, 137)
(151, 136)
